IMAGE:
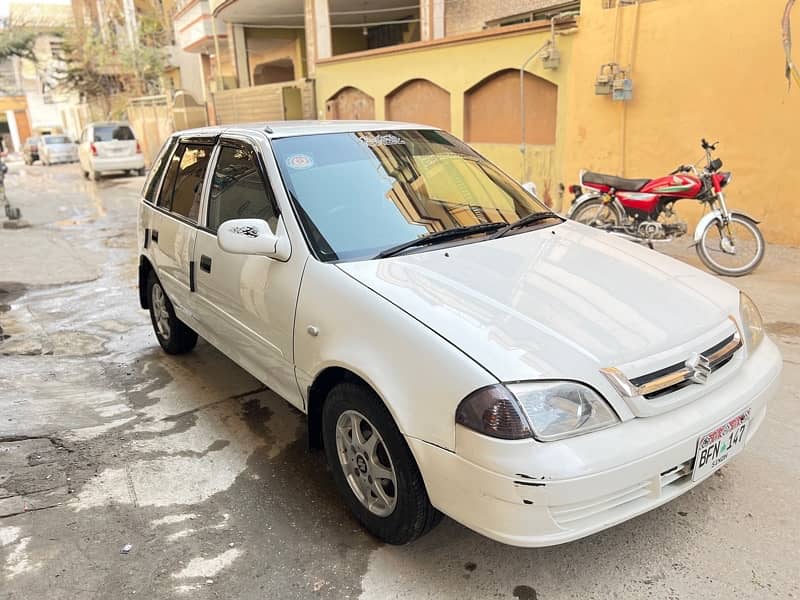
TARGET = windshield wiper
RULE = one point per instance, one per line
(527, 220)
(440, 236)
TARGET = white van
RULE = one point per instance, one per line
(108, 147)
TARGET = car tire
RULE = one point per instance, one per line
(403, 512)
(174, 336)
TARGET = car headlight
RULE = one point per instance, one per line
(546, 410)
(751, 322)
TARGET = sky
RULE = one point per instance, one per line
(4, 4)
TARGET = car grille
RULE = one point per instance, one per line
(677, 376)
(660, 381)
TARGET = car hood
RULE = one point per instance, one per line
(557, 302)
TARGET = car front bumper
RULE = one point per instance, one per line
(121, 163)
(63, 158)
(528, 493)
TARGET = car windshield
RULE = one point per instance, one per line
(360, 193)
(107, 133)
(56, 139)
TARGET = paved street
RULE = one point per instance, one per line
(107, 441)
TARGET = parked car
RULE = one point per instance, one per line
(108, 147)
(30, 150)
(57, 149)
(457, 347)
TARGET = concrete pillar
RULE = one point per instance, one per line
(322, 29)
(424, 20)
(437, 19)
(238, 46)
(13, 130)
(311, 52)
(131, 24)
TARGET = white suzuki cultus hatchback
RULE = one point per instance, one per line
(457, 347)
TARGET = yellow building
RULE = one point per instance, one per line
(700, 68)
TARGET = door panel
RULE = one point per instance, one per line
(174, 229)
(248, 301)
(173, 245)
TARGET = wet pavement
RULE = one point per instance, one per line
(106, 441)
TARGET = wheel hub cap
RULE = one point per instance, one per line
(366, 464)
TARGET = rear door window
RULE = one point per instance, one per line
(108, 133)
(238, 190)
(159, 166)
(183, 183)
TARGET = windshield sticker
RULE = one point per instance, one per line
(386, 139)
(299, 162)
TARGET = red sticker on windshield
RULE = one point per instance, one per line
(299, 161)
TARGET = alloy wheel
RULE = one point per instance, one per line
(160, 311)
(365, 461)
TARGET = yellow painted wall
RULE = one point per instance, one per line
(456, 67)
(701, 68)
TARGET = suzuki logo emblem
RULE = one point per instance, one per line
(699, 367)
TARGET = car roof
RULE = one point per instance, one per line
(280, 129)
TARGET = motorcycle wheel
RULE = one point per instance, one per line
(734, 254)
(596, 213)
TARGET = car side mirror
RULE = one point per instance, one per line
(530, 187)
(253, 237)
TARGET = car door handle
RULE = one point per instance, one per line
(154, 236)
(205, 263)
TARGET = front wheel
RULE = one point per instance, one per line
(733, 250)
(597, 213)
(373, 467)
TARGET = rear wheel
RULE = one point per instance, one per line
(373, 467)
(597, 213)
(173, 334)
(733, 250)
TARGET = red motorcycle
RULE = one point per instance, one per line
(728, 242)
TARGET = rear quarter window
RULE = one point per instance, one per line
(157, 171)
(108, 133)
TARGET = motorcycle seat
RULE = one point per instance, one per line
(618, 183)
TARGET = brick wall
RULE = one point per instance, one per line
(465, 16)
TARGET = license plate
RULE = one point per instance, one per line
(720, 444)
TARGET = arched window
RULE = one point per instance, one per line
(419, 101)
(350, 103)
(492, 113)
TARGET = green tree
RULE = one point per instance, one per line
(16, 41)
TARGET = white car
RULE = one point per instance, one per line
(108, 147)
(57, 149)
(457, 348)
